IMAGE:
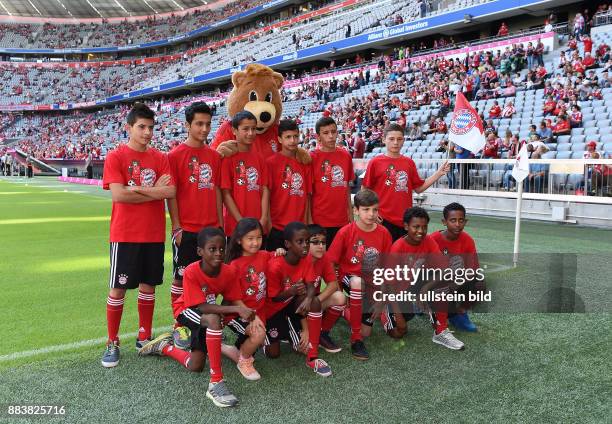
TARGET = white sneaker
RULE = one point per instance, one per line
(447, 339)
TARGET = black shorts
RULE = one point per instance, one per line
(396, 232)
(275, 240)
(367, 318)
(238, 326)
(190, 318)
(283, 325)
(185, 254)
(134, 263)
(388, 318)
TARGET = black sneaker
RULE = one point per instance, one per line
(328, 344)
(359, 351)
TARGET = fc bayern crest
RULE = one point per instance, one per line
(463, 121)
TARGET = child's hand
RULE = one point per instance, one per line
(256, 327)
(280, 252)
(444, 169)
(303, 346)
(246, 314)
(163, 181)
(299, 288)
(228, 148)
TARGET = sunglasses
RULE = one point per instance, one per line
(317, 242)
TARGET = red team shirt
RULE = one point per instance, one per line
(393, 179)
(353, 248)
(140, 222)
(265, 144)
(245, 174)
(282, 276)
(463, 249)
(324, 271)
(251, 274)
(331, 174)
(290, 184)
(197, 173)
(199, 288)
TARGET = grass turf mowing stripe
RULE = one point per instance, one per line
(70, 346)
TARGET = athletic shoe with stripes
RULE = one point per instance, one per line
(320, 367)
(155, 346)
(326, 342)
(141, 343)
(447, 339)
(110, 358)
(246, 368)
(220, 395)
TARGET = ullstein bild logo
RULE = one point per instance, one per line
(390, 32)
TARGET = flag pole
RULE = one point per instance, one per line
(517, 223)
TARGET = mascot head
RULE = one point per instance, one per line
(257, 89)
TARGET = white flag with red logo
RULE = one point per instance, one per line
(520, 171)
(466, 129)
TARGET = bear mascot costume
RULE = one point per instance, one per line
(256, 89)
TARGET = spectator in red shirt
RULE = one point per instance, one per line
(491, 149)
(549, 106)
(588, 61)
(576, 117)
(508, 111)
(495, 110)
(441, 127)
(562, 126)
(587, 42)
(503, 30)
(359, 147)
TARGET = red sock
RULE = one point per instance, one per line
(355, 318)
(439, 320)
(213, 345)
(330, 317)
(114, 310)
(175, 292)
(346, 313)
(178, 355)
(314, 333)
(146, 305)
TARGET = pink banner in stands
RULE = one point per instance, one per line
(84, 181)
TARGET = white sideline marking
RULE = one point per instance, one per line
(68, 346)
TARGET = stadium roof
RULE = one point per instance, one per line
(94, 8)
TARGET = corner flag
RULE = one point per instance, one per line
(520, 171)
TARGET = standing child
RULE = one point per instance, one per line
(249, 263)
(460, 248)
(394, 177)
(197, 309)
(332, 299)
(356, 249)
(196, 170)
(290, 184)
(291, 297)
(332, 173)
(425, 253)
(139, 179)
(244, 177)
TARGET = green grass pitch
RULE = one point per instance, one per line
(520, 367)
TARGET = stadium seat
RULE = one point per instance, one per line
(563, 139)
(549, 155)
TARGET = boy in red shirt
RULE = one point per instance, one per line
(196, 170)
(291, 295)
(139, 179)
(355, 250)
(460, 248)
(290, 184)
(332, 174)
(332, 299)
(244, 177)
(495, 110)
(197, 309)
(416, 243)
(394, 177)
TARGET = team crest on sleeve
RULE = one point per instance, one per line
(463, 121)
